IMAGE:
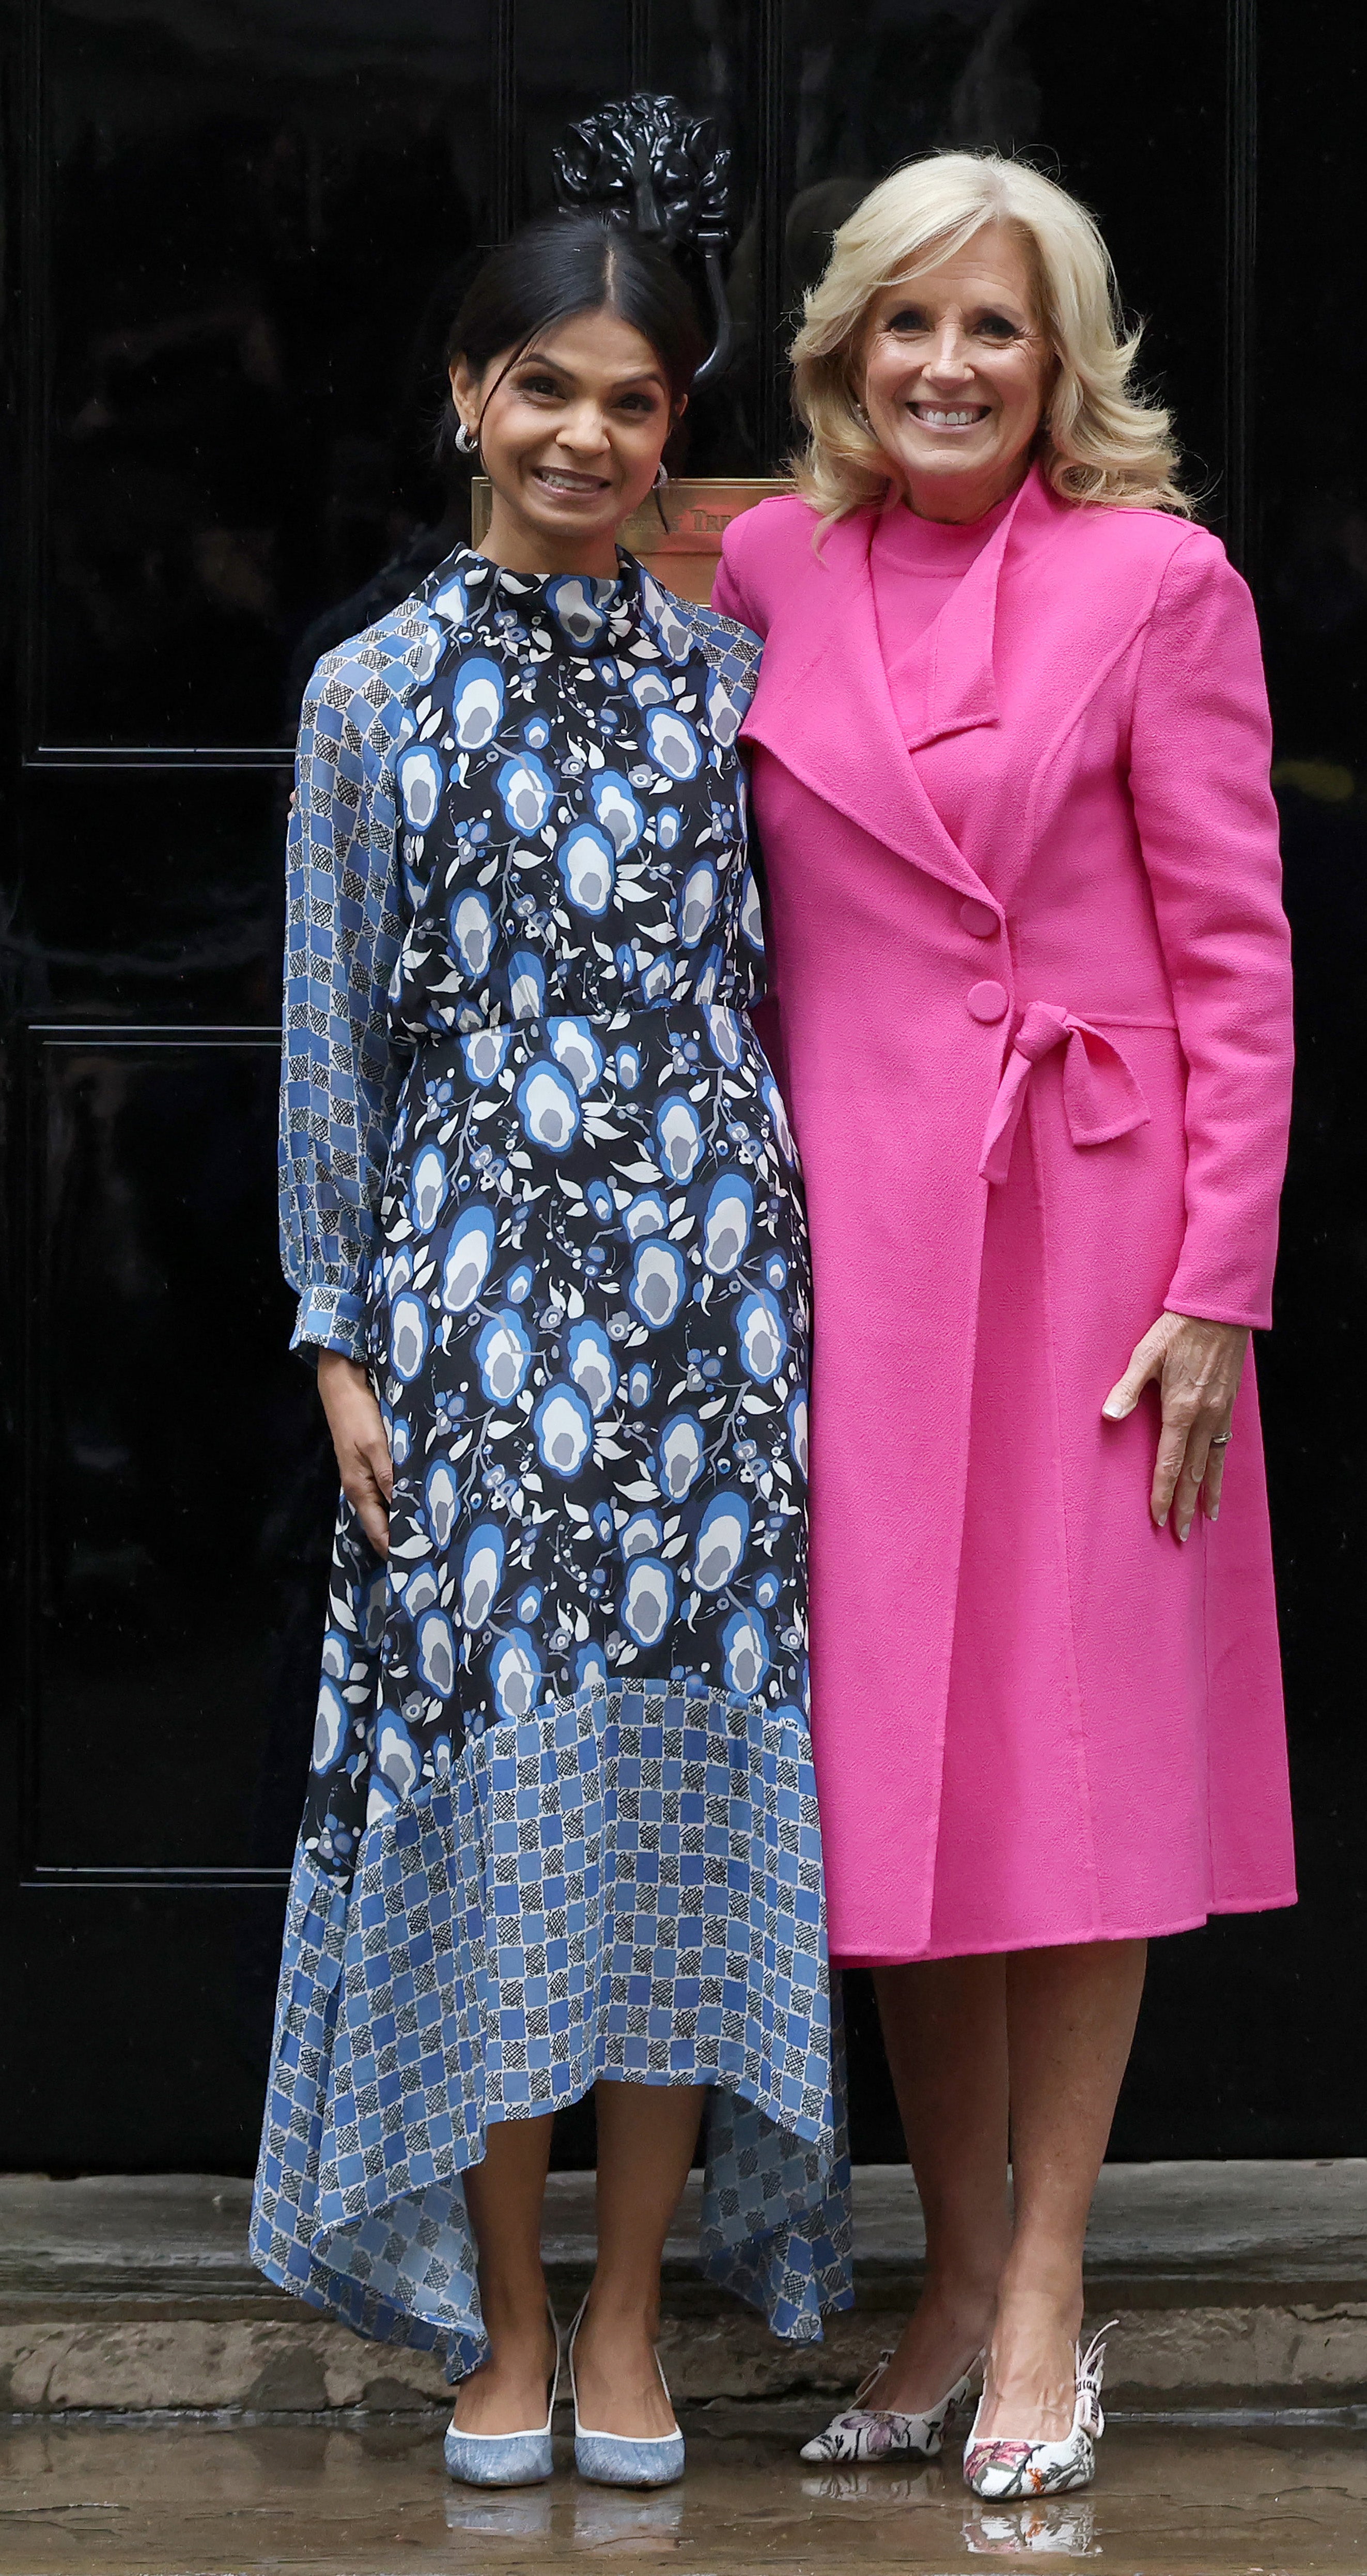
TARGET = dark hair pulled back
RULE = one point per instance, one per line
(568, 264)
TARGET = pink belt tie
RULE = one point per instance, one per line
(1101, 1098)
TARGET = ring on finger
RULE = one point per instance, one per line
(1221, 1439)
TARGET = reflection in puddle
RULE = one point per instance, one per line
(848, 2486)
(1066, 2529)
(602, 2516)
(513, 2513)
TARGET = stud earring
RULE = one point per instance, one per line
(661, 476)
(466, 441)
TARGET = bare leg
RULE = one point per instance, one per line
(1070, 2022)
(646, 2136)
(944, 2027)
(508, 2393)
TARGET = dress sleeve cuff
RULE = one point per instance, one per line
(331, 1319)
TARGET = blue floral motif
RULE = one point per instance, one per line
(330, 1727)
(762, 1335)
(574, 1046)
(647, 1599)
(503, 1355)
(724, 1030)
(722, 1535)
(472, 931)
(452, 601)
(469, 1251)
(564, 1429)
(549, 1103)
(575, 604)
(647, 1213)
(751, 913)
(427, 1191)
(397, 1758)
(683, 1452)
(437, 1654)
(642, 1535)
(481, 1572)
(678, 1136)
(485, 1052)
(658, 1282)
(526, 985)
(672, 743)
(727, 1223)
(515, 1671)
(648, 689)
(697, 903)
(592, 1366)
(476, 702)
(745, 1652)
(725, 708)
(773, 1102)
(441, 1493)
(616, 810)
(527, 791)
(586, 861)
(419, 773)
(408, 1336)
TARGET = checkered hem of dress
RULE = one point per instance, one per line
(625, 1885)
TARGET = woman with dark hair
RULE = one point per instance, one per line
(540, 1205)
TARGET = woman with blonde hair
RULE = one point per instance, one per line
(1010, 771)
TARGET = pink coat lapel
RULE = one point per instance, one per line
(825, 710)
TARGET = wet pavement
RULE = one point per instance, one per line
(111, 2498)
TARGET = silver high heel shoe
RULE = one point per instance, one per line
(507, 2459)
(881, 2432)
(1004, 2466)
(620, 2459)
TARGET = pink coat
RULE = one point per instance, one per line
(1033, 995)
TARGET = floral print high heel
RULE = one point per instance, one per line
(1010, 2467)
(881, 2432)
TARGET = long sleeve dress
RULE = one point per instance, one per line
(535, 1172)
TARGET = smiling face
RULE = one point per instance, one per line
(956, 370)
(570, 436)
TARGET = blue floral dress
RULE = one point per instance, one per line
(561, 1822)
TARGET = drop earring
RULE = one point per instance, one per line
(466, 441)
(661, 476)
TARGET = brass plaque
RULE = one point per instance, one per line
(683, 555)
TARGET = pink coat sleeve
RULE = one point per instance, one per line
(730, 592)
(1199, 758)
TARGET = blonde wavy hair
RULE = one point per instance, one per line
(1098, 440)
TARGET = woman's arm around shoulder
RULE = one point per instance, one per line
(753, 551)
(1200, 755)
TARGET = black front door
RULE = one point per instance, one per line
(240, 232)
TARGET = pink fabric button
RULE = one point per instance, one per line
(987, 1002)
(979, 918)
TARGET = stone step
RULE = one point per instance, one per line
(1239, 2284)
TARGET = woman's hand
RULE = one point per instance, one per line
(358, 1436)
(1198, 1367)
